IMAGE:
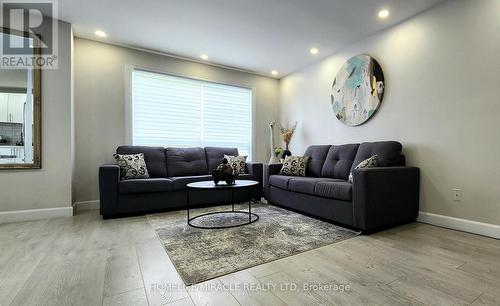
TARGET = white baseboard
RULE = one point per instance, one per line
(485, 229)
(35, 214)
(86, 205)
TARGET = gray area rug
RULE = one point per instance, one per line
(202, 254)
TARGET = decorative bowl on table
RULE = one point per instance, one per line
(224, 173)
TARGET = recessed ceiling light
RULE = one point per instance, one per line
(314, 51)
(274, 72)
(204, 57)
(383, 14)
(100, 33)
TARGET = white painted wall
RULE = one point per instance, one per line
(442, 101)
(49, 187)
(100, 103)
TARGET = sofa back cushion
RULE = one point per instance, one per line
(402, 160)
(339, 161)
(317, 155)
(389, 153)
(153, 156)
(186, 161)
(216, 154)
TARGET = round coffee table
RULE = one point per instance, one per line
(210, 185)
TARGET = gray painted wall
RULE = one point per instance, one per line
(16, 78)
(100, 103)
(50, 186)
(442, 71)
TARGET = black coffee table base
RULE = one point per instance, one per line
(252, 217)
(224, 212)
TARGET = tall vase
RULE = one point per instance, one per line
(286, 152)
(274, 159)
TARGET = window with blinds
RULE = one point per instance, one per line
(172, 111)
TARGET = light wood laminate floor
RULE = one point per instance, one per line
(87, 261)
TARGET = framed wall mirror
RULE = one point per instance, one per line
(20, 108)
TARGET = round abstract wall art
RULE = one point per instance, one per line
(357, 90)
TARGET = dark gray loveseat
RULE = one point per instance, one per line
(378, 198)
(170, 169)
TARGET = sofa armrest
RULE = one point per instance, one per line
(255, 169)
(270, 169)
(385, 196)
(109, 177)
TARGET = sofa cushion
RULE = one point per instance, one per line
(294, 166)
(339, 190)
(280, 181)
(186, 162)
(306, 184)
(238, 163)
(181, 181)
(153, 156)
(216, 154)
(371, 162)
(317, 155)
(132, 166)
(145, 185)
(339, 161)
(389, 153)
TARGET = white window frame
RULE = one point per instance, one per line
(129, 122)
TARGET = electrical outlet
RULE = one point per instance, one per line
(457, 194)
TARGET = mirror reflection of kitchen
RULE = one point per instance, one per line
(16, 116)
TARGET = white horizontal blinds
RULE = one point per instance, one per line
(227, 117)
(179, 112)
(166, 110)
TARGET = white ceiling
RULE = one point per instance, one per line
(253, 35)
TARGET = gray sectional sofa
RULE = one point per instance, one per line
(170, 169)
(378, 197)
